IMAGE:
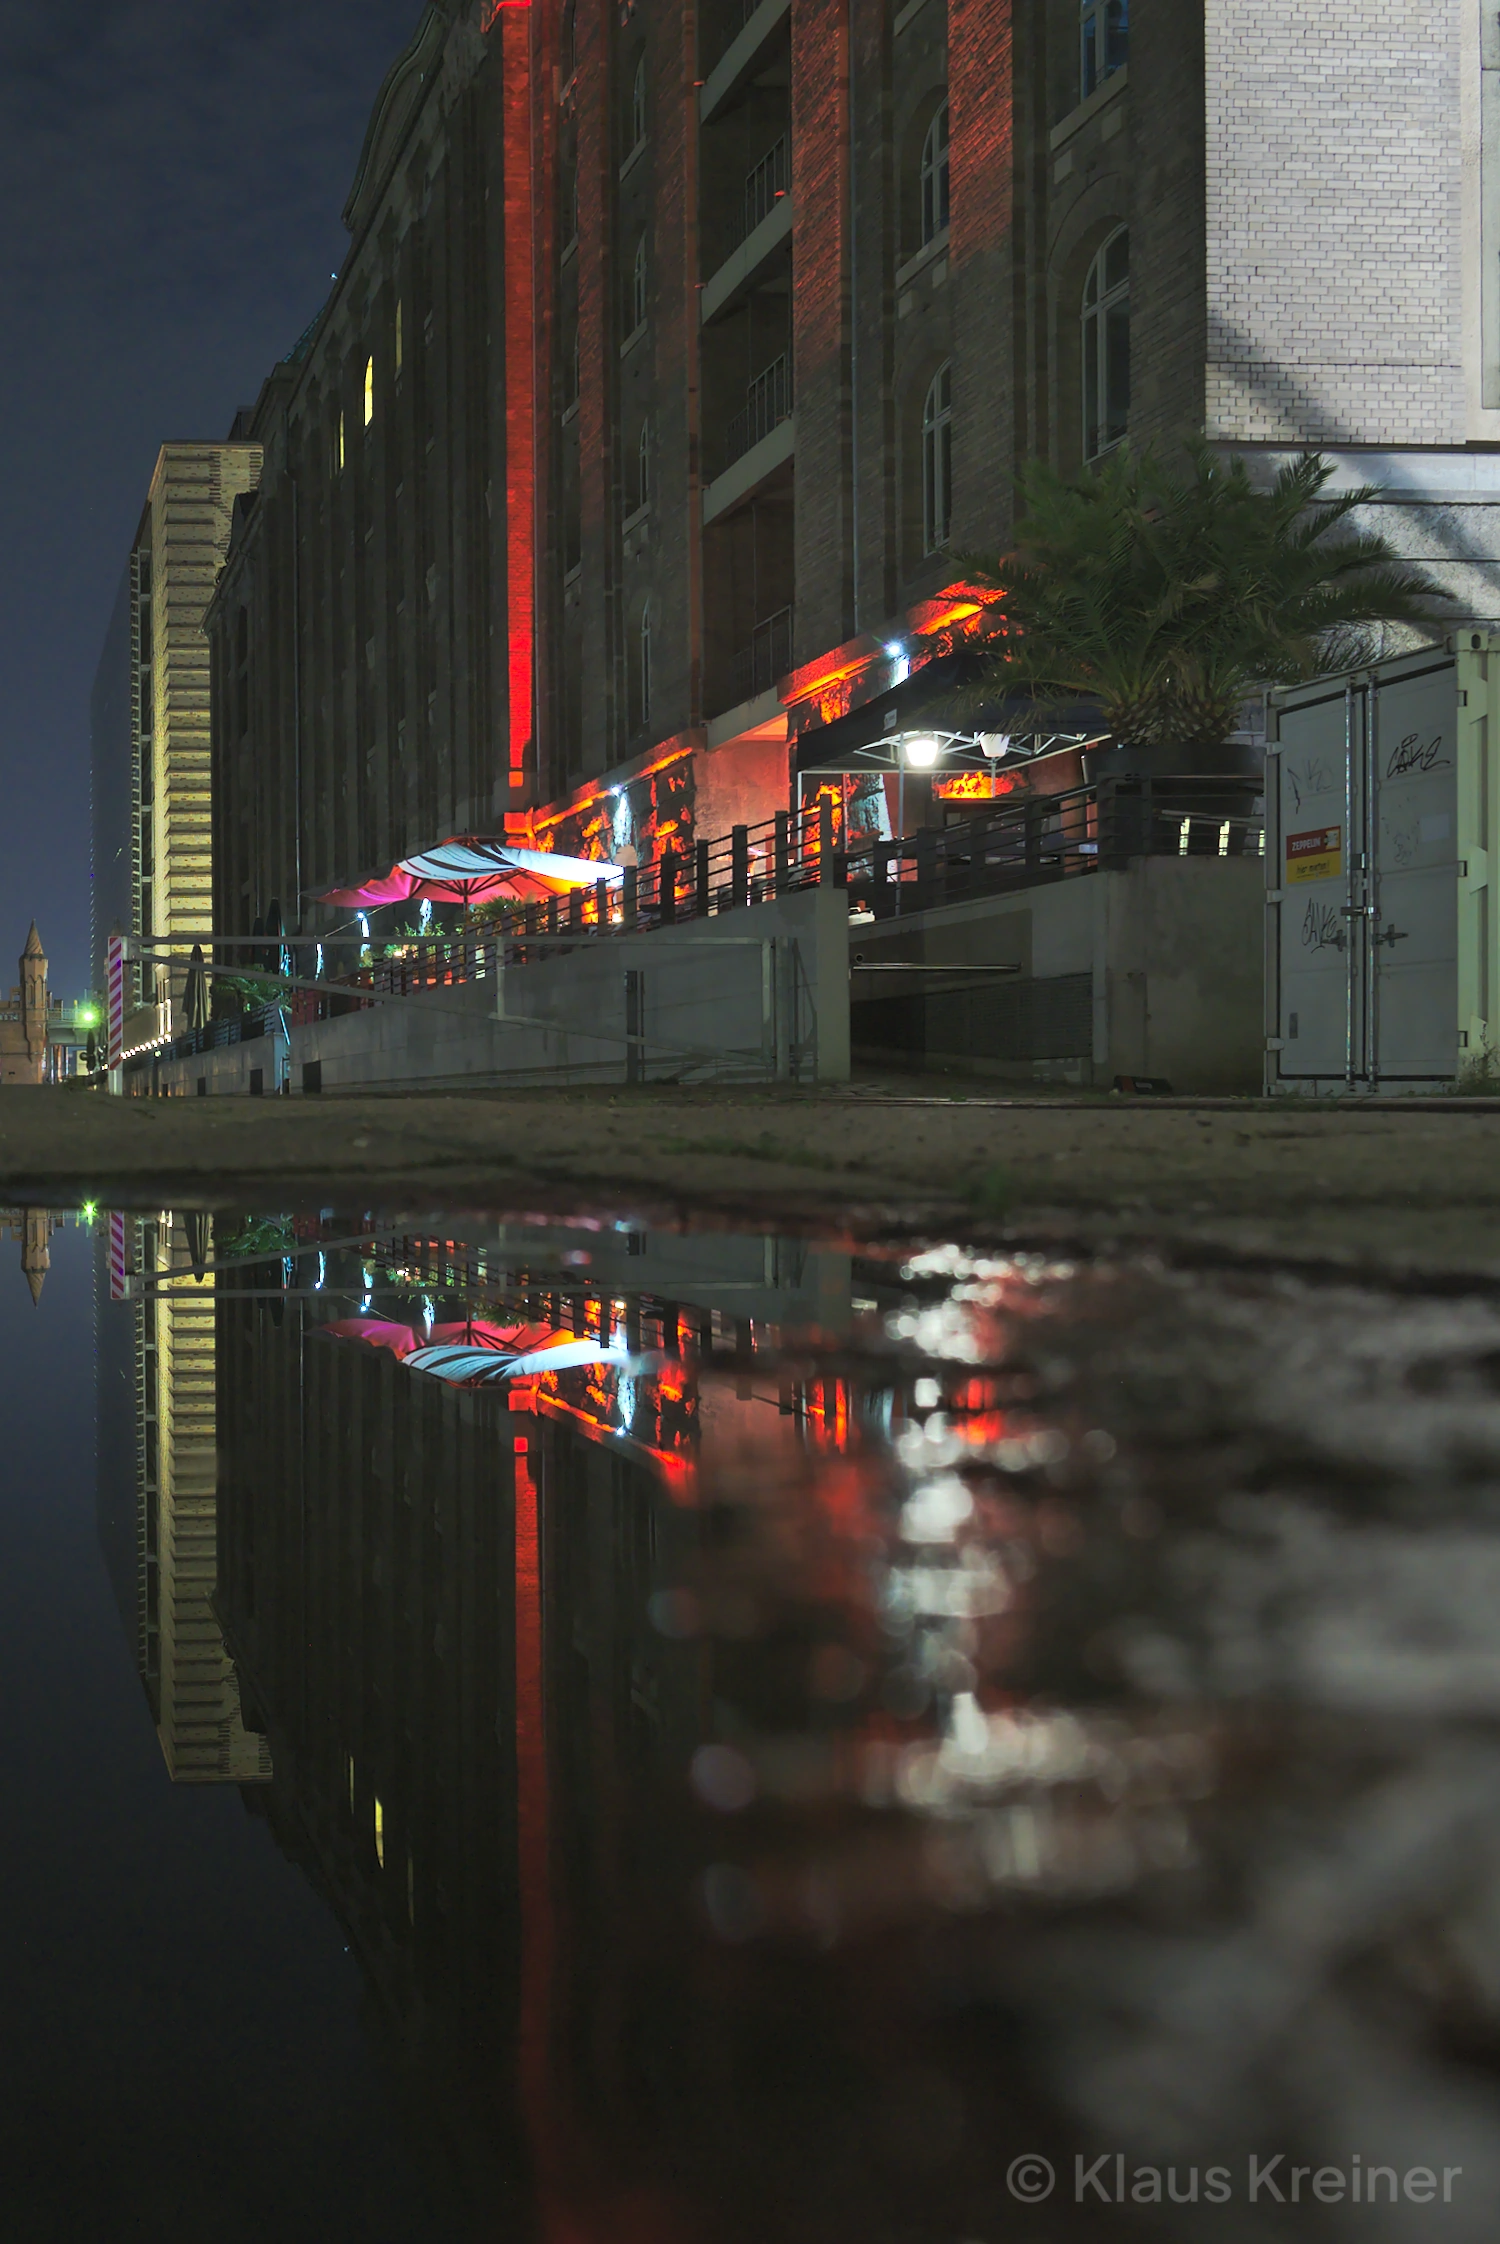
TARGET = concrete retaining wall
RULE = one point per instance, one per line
(757, 994)
(1152, 971)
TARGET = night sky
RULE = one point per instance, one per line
(172, 173)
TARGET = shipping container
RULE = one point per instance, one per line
(1381, 809)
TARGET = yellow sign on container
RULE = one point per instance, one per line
(1315, 855)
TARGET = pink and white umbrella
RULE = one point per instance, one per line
(471, 870)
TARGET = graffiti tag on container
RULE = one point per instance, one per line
(1315, 778)
(1416, 754)
(1321, 930)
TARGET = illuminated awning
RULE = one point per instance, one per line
(470, 870)
(938, 703)
(475, 1352)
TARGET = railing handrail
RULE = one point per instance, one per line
(766, 182)
(768, 402)
(1010, 842)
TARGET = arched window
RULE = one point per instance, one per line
(1104, 43)
(638, 105)
(643, 668)
(934, 177)
(937, 460)
(1106, 346)
(369, 393)
(643, 465)
(638, 287)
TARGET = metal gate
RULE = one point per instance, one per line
(1363, 881)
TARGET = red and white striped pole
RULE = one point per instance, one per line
(116, 977)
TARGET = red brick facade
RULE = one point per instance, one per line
(701, 339)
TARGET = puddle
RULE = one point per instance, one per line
(711, 1737)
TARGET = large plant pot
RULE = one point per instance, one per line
(1123, 760)
(1157, 788)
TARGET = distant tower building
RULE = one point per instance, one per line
(33, 964)
(23, 1019)
(152, 850)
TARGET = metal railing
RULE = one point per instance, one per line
(768, 402)
(215, 1036)
(765, 185)
(1018, 841)
(756, 668)
(736, 16)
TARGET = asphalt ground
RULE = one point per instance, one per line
(1398, 1185)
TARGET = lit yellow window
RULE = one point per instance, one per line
(369, 393)
(380, 1834)
(341, 443)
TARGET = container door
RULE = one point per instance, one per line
(1413, 896)
(1321, 1011)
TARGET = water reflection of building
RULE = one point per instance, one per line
(445, 1604)
(34, 1228)
(158, 1499)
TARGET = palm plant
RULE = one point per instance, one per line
(1167, 597)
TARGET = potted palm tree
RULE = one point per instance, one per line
(1167, 596)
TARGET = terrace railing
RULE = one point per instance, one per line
(1019, 841)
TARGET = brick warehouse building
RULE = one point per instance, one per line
(679, 349)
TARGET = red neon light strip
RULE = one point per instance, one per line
(520, 470)
(533, 1842)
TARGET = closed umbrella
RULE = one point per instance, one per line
(195, 1000)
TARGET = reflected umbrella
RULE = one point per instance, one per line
(199, 1229)
(475, 1353)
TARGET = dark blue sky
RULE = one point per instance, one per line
(172, 173)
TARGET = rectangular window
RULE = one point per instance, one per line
(1104, 36)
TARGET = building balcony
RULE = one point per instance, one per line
(768, 402)
(765, 185)
(761, 20)
(770, 458)
(748, 266)
(756, 668)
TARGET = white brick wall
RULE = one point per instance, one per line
(1334, 222)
